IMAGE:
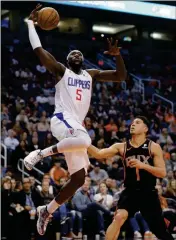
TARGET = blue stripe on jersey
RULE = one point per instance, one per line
(61, 117)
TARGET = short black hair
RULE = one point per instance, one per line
(145, 120)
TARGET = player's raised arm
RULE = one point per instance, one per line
(45, 57)
(117, 75)
(105, 152)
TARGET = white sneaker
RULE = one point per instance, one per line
(33, 158)
(137, 235)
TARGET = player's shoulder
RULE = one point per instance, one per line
(119, 145)
(92, 72)
(154, 146)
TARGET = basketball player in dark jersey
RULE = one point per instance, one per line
(143, 164)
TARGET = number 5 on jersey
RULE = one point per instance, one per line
(78, 94)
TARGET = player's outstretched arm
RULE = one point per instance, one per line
(45, 57)
(103, 153)
(117, 75)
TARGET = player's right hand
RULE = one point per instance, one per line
(34, 14)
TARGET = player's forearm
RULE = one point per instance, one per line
(94, 151)
(155, 171)
(33, 36)
(97, 153)
(121, 69)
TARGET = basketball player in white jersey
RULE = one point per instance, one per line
(72, 101)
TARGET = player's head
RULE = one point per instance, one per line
(140, 125)
(75, 60)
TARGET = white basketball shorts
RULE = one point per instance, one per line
(64, 128)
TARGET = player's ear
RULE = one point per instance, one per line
(146, 129)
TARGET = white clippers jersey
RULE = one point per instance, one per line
(73, 95)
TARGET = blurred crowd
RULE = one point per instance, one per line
(26, 109)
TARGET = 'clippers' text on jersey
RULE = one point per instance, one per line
(78, 83)
(73, 95)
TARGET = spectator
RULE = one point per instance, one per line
(46, 178)
(41, 99)
(98, 175)
(28, 198)
(51, 99)
(109, 186)
(44, 193)
(32, 182)
(115, 172)
(169, 209)
(164, 137)
(101, 113)
(24, 137)
(111, 126)
(171, 189)
(166, 153)
(34, 145)
(112, 112)
(169, 177)
(25, 219)
(155, 131)
(103, 197)
(5, 115)
(49, 141)
(6, 200)
(11, 142)
(43, 125)
(20, 104)
(138, 221)
(21, 117)
(89, 209)
(18, 186)
(169, 117)
(13, 184)
(18, 128)
(34, 119)
(25, 85)
(21, 151)
(4, 132)
(123, 130)
(41, 68)
(114, 137)
(90, 131)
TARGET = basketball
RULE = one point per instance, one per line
(48, 18)
(59, 173)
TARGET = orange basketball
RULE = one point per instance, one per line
(59, 173)
(48, 18)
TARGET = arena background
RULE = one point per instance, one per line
(27, 103)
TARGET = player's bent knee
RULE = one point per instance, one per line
(86, 139)
(78, 178)
(121, 216)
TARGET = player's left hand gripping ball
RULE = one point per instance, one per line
(34, 14)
